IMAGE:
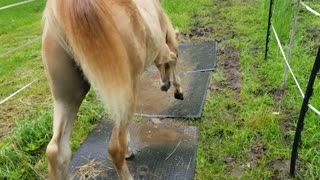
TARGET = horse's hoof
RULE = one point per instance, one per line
(178, 95)
(166, 86)
(130, 156)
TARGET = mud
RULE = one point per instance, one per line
(200, 32)
(256, 153)
(151, 100)
(229, 63)
(277, 94)
(164, 133)
(231, 66)
(279, 168)
(228, 57)
(192, 58)
(286, 127)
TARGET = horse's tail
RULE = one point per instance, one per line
(96, 45)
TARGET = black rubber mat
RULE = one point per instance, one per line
(201, 57)
(196, 61)
(162, 151)
(154, 103)
(195, 57)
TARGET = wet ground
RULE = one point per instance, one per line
(196, 61)
(163, 150)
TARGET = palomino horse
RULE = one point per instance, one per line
(106, 44)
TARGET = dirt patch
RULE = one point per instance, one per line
(228, 57)
(15, 109)
(229, 63)
(286, 127)
(199, 32)
(313, 34)
(279, 169)
(255, 51)
(256, 153)
(222, 4)
(277, 94)
(237, 171)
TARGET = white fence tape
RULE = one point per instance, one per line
(15, 93)
(20, 47)
(314, 109)
(286, 61)
(288, 65)
(16, 4)
(310, 9)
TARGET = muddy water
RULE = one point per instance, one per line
(166, 133)
(151, 100)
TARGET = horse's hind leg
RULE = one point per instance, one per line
(68, 89)
(129, 154)
(118, 147)
(118, 144)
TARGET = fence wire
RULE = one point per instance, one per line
(291, 72)
(16, 4)
(20, 47)
(310, 9)
(9, 53)
(15, 93)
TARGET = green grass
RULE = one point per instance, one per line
(305, 49)
(237, 126)
(182, 14)
(8, 2)
(26, 119)
(232, 128)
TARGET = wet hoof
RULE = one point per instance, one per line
(178, 95)
(130, 156)
(166, 86)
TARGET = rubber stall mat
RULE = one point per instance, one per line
(195, 63)
(162, 151)
(195, 57)
(152, 102)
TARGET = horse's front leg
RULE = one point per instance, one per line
(178, 94)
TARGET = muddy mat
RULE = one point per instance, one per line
(195, 57)
(162, 151)
(196, 61)
(152, 102)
